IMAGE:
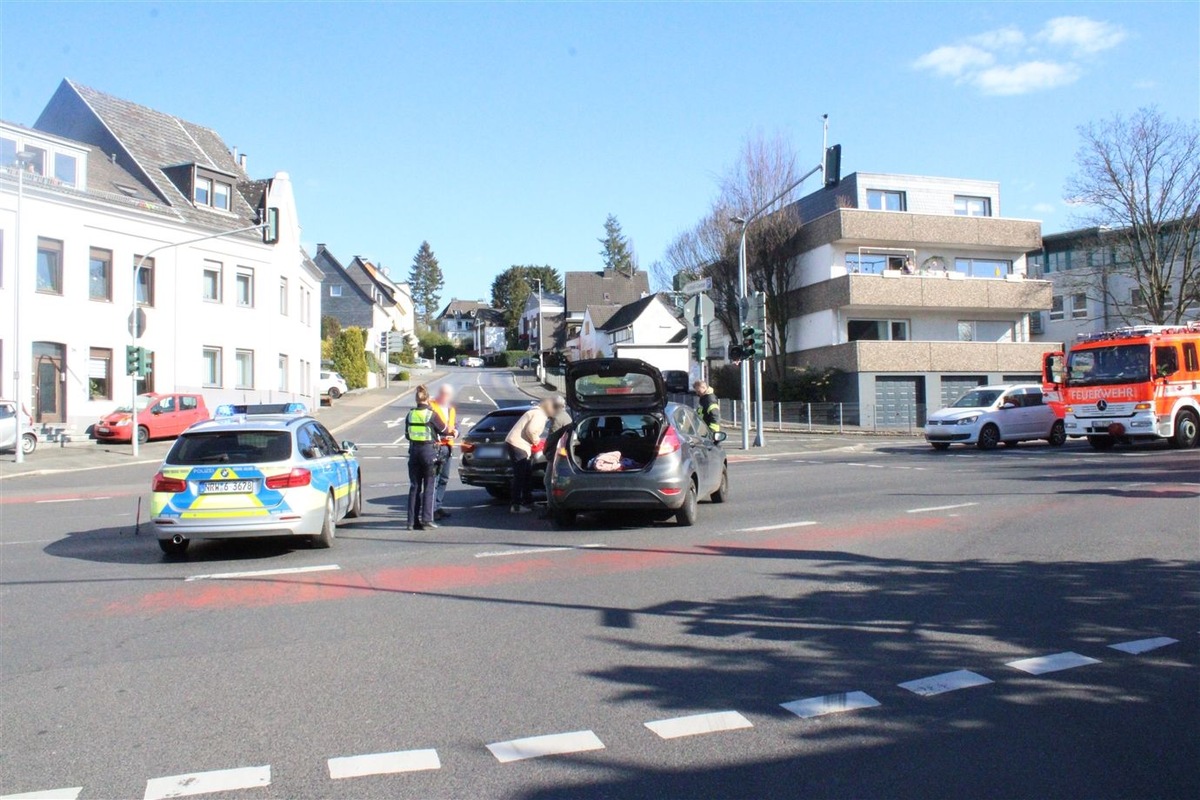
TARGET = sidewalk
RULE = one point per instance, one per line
(86, 455)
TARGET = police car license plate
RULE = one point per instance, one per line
(227, 487)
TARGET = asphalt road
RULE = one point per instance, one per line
(839, 570)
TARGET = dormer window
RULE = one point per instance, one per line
(203, 192)
(212, 190)
(221, 195)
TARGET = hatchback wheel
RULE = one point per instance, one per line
(324, 539)
(989, 437)
(143, 434)
(722, 492)
(686, 515)
(334, 393)
(28, 443)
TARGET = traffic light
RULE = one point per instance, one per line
(760, 342)
(699, 344)
(147, 363)
(133, 359)
(737, 353)
(833, 166)
(270, 231)
(749, 339)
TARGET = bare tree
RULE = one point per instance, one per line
(1138, 178)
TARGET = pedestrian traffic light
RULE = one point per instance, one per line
(147, 365)
(833, 166)
(132, 359)
(749, 338)
(699, 344)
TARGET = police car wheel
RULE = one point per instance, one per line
(324, 539)
(172, 548)
(356, 502)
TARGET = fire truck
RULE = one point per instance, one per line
(1129, 384)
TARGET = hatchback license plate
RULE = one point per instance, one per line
(227, 487)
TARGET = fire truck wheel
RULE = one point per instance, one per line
(1101, 442)
(1187, 430)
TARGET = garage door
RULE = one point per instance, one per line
(955, 386)
(898, 401)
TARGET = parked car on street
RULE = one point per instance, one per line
(160, 416)
(676, 381)
(989, 415)
(630, 449)
(332, 385)
(472, 361)
(8, 429)
(485, 462)
(267, 470)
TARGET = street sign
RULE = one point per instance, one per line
(137, 324)
(699, 306)
(697, 286)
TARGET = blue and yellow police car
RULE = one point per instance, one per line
(262, 470)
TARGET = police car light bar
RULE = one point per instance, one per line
(232, 410)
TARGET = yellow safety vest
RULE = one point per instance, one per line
(448, 418)
(417, 427)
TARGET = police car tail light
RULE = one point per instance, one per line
(670, 442)
(290, 480)
(162, 483)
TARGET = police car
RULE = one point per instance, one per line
(266, 470)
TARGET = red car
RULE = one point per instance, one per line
(160, 416)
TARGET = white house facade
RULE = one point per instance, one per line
(231, 317)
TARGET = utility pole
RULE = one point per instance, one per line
(23, 160)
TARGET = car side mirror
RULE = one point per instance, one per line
(1007, 405)
(1166, 370)
(156, 411)
(720, 436)
(349, 447)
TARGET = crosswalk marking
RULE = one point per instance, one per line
(1140, 645)
(830, 704)
(699, 723)
(48, 794)
(1041, 665)
(945, 682)
(550, 745)
(383, 763)
(221, 780)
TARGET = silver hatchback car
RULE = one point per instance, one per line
(628, 449)
(989, 415)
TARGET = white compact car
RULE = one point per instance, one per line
(331, 384)
(989, 415)
(8, 429)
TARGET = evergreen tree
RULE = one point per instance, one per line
(511, 288)
(350, 357)
(426, 281)
(617, 251)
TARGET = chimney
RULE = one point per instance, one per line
(113, 157)
(242, 161)
(235, 155)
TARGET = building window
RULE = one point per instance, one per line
(283, 372)
(886, 200)
(210, 281)
(49, 266)
(1056, 307)
(145, 281)
(982, 267)
(972, 206)
(303, 376)
(65, 168)
(1035, 323)
(876, 263)
(245, 288)
(203, 192)
(305, 305)
(100, 274)
(212, 367)
(1137, 298)
(283, 296)
(1057, 262)
(985, 331)
(38, 165)
(8, 151)
(335, 291)
(877, 330)
(221, 194)
(1079, 306)
(100, 374)
(245, 369)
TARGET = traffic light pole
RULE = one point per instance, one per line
(135, 333)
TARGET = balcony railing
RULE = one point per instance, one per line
(925, 290)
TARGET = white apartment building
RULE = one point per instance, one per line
(97, 184)
(916, 289)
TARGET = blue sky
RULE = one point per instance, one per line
(504, 133)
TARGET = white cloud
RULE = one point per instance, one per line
(997, 62)
(1031, 76)
(1044, 208)
(953, 61)
(1082, 35)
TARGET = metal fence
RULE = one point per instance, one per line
(832, 417)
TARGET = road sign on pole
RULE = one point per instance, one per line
(697, 286)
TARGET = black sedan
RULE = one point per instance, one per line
(485, 461)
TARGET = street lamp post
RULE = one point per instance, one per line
(23, 160)
(539, 326)
(134, 332)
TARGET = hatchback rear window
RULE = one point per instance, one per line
(231, 447)
(603, 385)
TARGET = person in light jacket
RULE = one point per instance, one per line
(521, 440)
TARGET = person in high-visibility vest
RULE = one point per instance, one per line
(422, 428)
(444, 408)
(710, 409)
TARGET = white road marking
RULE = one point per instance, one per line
(939, 508)
(779, 527)
(48, 794)
(945, 682)
(383, 763)
(221, 780)
(699, 723)
(1040, 665)
(70, 500)
(259, 573)
(525, 550)
(550, 745)
(1144, 645)
(482, 391)
(30, 541)
(830, 704)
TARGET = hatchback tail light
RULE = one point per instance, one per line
(290, 480)
(162, 483)
(670, 442)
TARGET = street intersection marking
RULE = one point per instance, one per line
(550, 745)
(383, 763)
(1141, 645)
(699, 723)
(527, 550)
(221, 780)
(939, 508)
(48, 794)
(830, 704)
(779, 527)
(259, 573)
(945, 682)
(1052, 663)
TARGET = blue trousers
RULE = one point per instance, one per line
(422, 481)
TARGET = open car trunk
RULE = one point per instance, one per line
(613, 442)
